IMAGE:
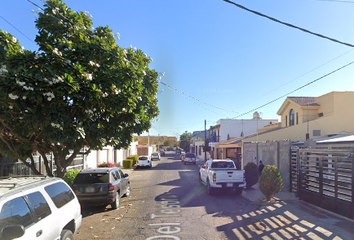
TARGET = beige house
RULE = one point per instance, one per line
(301, 118)
(312, 118)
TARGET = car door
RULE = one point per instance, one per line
(123, 182)
(33, 212)
(204, 171)
(117, 182)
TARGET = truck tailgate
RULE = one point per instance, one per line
(224, 175)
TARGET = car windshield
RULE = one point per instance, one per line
(190, 155)
(143, 158)
(91, 178)
(222, 165)
(155, 154)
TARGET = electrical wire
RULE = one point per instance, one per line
(17, 29)
(194, 98)
(302, 75)
(288, 24)
(305, 85)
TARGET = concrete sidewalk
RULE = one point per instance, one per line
(254, 194)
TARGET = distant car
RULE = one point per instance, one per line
(101, 186)
(178, 151)
(38, 208)
(144, 161)
(190, 158)
(162, 153)
(155, 156)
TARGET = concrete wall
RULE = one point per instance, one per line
(271, 153)
(234, 127)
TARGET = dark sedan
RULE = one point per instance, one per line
(101, 186)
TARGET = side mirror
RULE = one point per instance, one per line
(12, 232)
(126, 175)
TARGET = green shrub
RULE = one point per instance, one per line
(128, 163)
(251, 171)
(108, 165)
(134, 158)
(270, 182)
(70, 176)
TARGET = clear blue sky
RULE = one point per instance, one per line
(220, 61)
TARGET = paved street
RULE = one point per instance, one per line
(168, 203)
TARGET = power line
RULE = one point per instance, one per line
(17, 29)
(307, 84)
(302, 75)
(194, 98)
(288, 24)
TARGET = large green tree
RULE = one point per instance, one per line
(79, 89)
(185, 141)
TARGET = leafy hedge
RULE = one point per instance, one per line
(270, 182)
(70, 176)
(128, 163)
(134, 158)
(251, 171)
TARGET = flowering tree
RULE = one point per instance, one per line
(79, 89)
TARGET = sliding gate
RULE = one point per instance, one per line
(325, 178)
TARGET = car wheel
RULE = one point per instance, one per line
(66, 235)
(115, 204)
(127, 192)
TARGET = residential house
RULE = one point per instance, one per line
(312, 117)
(226, 137)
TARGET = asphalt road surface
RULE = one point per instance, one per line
(167, 202)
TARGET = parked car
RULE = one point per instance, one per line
(101, 186)
(182, 156)
(38, 208)
(144, 161)
(222, 174)
(162, 153)
(190, 158)
(155, 156)
(178, 151)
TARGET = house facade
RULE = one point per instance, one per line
(110, 155)
(312, 118)
(302, 118)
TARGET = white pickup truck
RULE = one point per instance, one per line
(222, 174)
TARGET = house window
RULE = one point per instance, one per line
(320, 114)
(291, 117)
(316, 133)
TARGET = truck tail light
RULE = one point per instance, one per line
(111, 187)
(214, 177)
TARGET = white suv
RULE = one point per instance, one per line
(38, 208)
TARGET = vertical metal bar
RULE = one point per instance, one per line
(351, 156)
(320, 178)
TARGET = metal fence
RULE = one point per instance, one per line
(325, 177)
(10, 167)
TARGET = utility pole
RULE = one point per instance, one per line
(205, 141)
